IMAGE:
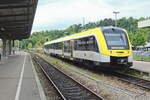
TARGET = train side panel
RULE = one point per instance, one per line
(91, 45)
(87, 55)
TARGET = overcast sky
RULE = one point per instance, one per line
(60, 14)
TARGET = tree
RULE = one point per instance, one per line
(138, 39)
(137, 36)
(30, 45)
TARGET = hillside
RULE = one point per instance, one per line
(137, 36)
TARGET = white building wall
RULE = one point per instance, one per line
(144, 24)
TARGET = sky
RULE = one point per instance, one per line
(60, 14)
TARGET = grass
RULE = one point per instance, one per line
(134, 73)
(56, 61)
(100, 88)
(130, 72)
(34, 51)
(71, 71)
(147, 58)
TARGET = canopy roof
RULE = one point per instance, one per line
(16, 18)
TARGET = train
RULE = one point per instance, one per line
(102, 46)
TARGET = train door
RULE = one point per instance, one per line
(71, 47)
(62, 49)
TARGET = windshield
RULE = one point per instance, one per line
(116, 39)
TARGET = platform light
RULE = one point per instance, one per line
(2, 29)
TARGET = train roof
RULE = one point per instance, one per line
(111, 27)
(80, 34)
(71, 36)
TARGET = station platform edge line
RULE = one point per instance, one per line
(40, 88)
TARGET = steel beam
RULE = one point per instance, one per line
(15, 6)
(14, 21)
(12, 1)
(14, 15)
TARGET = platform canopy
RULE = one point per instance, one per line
(16, 18)
(144, 24)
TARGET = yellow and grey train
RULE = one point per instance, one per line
(104, 46)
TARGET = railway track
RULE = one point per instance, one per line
(131, 79)
(124, 77)
(68, 88)
(127, 78)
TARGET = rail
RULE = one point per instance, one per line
(67, 87)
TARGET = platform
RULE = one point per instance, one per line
(141, 66)
(17, 78)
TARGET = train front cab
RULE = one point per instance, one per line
(115, 48)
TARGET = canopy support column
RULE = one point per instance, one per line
(4, 47)
(9, 47)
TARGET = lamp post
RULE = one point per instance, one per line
(116, 12)
(83, 22)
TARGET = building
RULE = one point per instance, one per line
(144, 24)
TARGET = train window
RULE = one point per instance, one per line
(78, 44)
(92, 44)
(75, 44)
(67, 46)
(59, 45)
(45, 47)
(55, 45)
(116, 38)
(50, 46)
(86, 44)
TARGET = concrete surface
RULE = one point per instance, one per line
(10, 75)
(141, 66)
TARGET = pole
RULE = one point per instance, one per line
(13, 44)
(83, 22)
(9, 47)
(18, 45)
(116, 12)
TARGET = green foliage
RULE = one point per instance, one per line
(143, 58)
(30, 45)
(137, 36)
(138, 39)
